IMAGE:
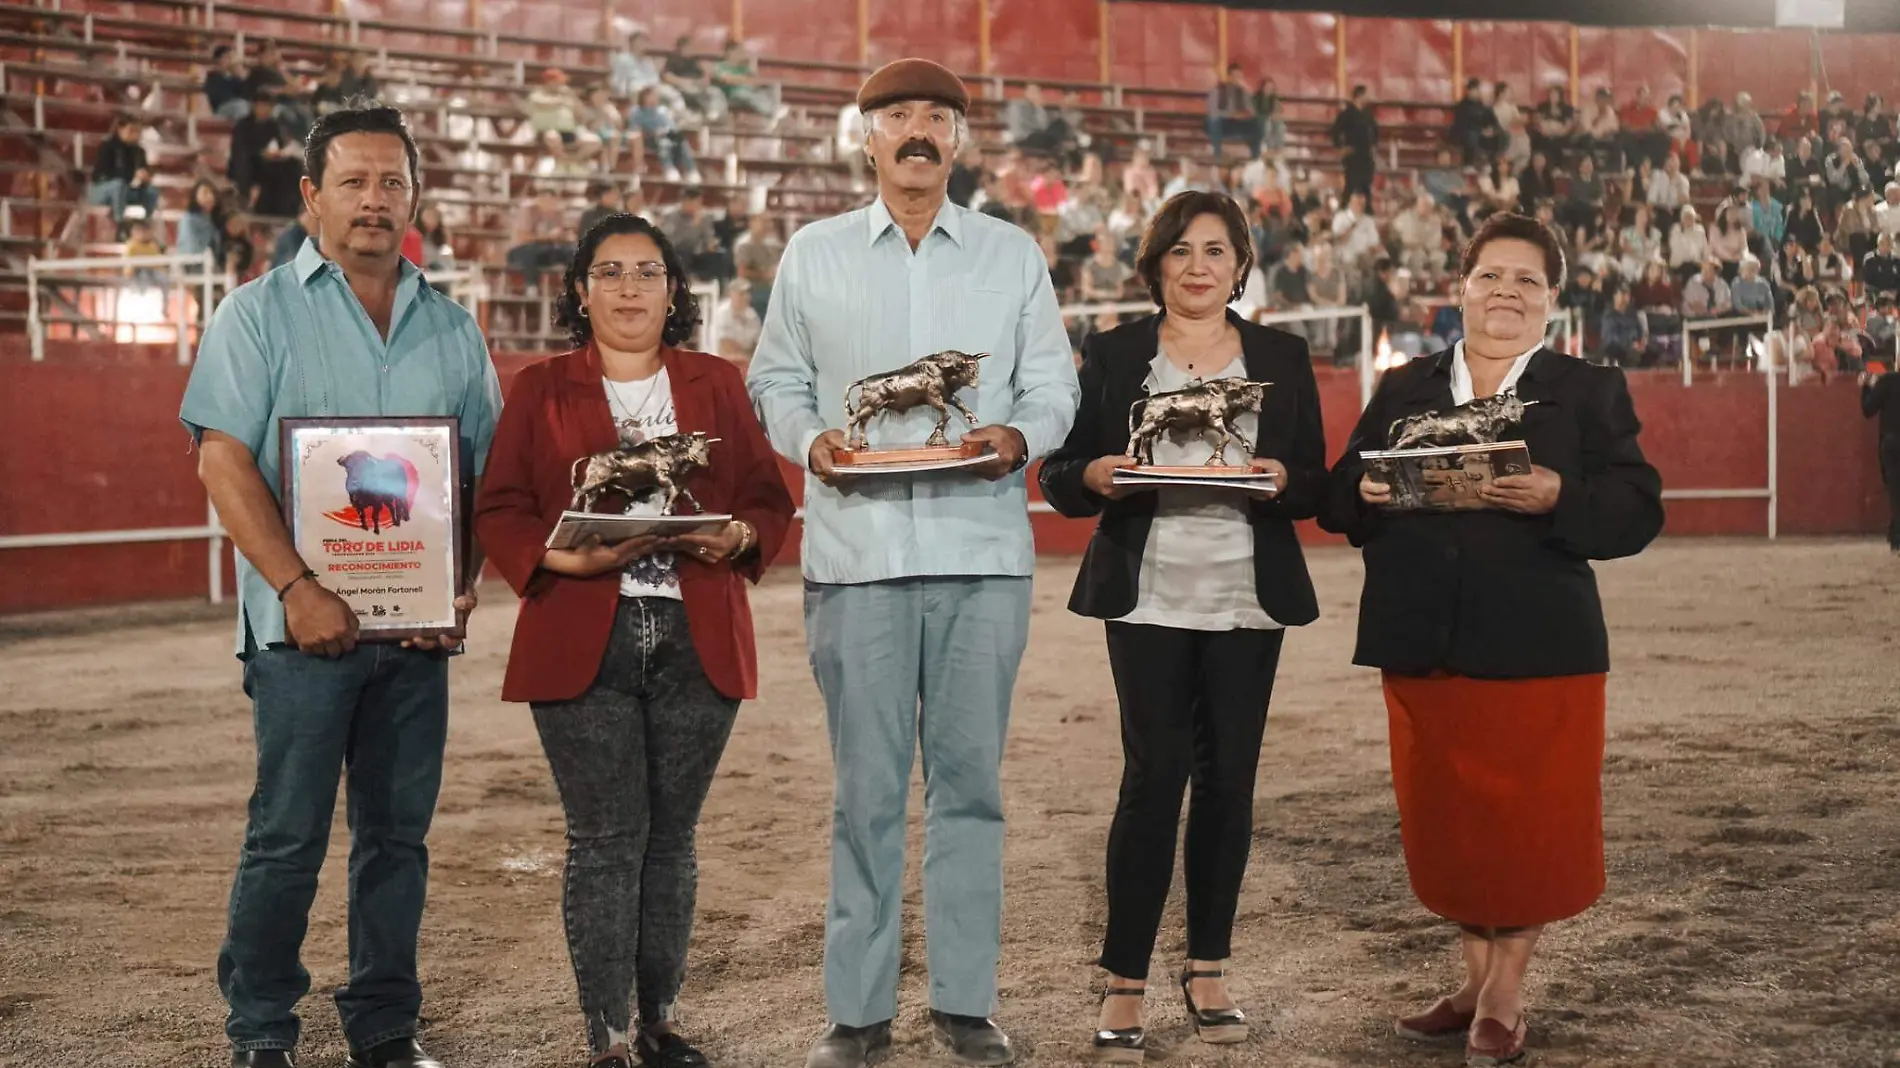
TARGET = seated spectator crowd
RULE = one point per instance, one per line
(1803, 230)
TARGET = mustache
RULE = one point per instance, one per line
(374, 222)
(918, 146)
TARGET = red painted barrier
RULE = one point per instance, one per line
(1054, 39)
(131, 466)
(947, 31)
(1531, 56)
(1400, 59)
(1621, 58)
(1164, 46)
(1299, 49)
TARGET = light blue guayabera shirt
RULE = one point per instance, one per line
(852, 300)
(296, 342)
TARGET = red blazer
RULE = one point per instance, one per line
(556, 413)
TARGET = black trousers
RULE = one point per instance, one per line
(1359, 167)
(1890, 474)
(1193, 707)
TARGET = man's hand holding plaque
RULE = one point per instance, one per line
(318, 621)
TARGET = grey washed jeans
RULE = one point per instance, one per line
(633, 758)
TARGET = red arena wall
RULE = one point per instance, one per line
(95, 444)
(1169, 46)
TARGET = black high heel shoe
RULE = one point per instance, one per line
(1125, 1045)
(1216, 1026)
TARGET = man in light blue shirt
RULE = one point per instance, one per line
(635, 68)
(917, 587)
(351, 330)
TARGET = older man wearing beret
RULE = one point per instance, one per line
(916, 586)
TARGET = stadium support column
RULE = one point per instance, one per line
(1576, 46)
(1694, 87)
(864, 33)
(1101, 33)
(1339, 60)
(1457, 61)
(738, 20)
(983, 36)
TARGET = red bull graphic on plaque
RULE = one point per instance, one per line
(381, 489)
(373, 510)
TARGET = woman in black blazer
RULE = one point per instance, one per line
(1490, 635)
(1196, 585)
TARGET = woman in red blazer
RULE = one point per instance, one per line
(634, 657)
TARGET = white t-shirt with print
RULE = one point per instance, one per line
(643, 409)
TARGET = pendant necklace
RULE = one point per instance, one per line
(629, 430)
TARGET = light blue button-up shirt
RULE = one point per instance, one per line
(852, 299)
(297, 343)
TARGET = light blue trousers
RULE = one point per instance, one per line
(930, 660)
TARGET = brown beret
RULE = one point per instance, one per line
(912, 79)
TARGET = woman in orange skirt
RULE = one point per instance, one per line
(1488, 629)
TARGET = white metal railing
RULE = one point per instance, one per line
(1691, 327)
(712, 314)
(180, 274)
(181, 278)
(465, 286)
(1568, 325)
(1770, 493)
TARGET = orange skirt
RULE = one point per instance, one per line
(1500, 790)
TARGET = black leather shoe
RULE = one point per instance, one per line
(263, 1058)
(1122, 1045)
(395, 1053)
(971, 1039)
(850, 1047)
(1216, 1026)
(668, 1050)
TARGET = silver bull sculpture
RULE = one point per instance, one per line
(1205, 407)
(663, 463)
(1478, 422)
(933, 380)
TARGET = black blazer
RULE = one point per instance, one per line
(1114, 376)
(1494, 594)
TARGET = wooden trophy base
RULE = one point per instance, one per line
(918, 454)
(1197, 471)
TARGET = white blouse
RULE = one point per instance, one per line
(1197, 570)
(1461, 388)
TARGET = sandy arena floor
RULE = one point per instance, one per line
(1753, 798)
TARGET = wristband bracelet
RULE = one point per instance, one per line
(285, 588)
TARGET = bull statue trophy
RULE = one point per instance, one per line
(664, 464)
(1203, 408)
(1477, 422)
(932, 381)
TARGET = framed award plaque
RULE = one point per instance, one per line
(374, 506)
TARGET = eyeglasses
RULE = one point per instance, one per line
(643, 277)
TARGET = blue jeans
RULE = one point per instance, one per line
(379, 713)
(633, 758)
(116, 193)
(1220, 127)
(904, 662)
(673, 151)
